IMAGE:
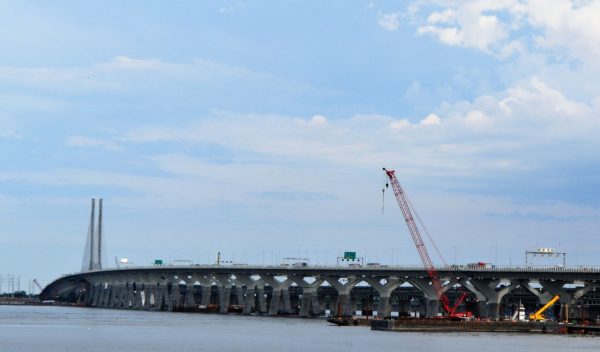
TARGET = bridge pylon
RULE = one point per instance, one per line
(92, 255)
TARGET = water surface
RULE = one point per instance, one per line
(36, 328)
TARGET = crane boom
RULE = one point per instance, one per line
(539, 315)
(416, 236)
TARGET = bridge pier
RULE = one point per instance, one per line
(238, 294)
(343, 305)
(309, 305)
(174, 297)
(278, 299)
(96, 289)
(112, 295)
(556, 287)
(432, 303)
(189, 302)
(250, 299)
(493, 294)
(384, 290)
(149, 295)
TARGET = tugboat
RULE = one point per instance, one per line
(342, 321)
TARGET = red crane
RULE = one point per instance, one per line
(427, 263)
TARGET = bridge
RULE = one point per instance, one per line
(310, 291)
(313, 290)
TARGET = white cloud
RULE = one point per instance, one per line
(565, 25)
(400, 124)
(318, 120)
(467, 26)
(504, 28)
(499, 132)
(446, 16)
(430, 120)
(389, 21)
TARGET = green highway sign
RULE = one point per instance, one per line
(350, 255)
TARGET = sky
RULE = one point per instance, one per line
(259, 129)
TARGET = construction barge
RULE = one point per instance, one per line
(446, 325)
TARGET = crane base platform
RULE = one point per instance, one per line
(443, 325)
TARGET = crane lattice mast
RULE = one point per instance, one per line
(416, 236)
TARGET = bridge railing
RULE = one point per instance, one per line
(491, 268)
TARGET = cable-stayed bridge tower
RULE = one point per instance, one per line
(92, 256)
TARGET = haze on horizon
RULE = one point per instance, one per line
(259, 129)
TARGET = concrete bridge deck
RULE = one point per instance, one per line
(304, 290)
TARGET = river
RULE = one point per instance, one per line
(65, 329)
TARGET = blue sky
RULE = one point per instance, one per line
(259, 129)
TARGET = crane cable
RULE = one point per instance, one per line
(383, 194)
(437, 250)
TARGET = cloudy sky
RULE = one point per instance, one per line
(259, 129)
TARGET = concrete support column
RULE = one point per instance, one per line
(275, 302)
(261, 300)
(206, 292)
(251, 286)
(277, 298)
(493, 294)
(566, 298)
(432, 302)
(130, 295)
(285, 295)
(96, 294)
(343, 305)
(385, 291)
(239, 294)
(384, 310)
(119, 291)
(89, 294)
(117, 297)
(150, 295)
(224, 298)
(249, 300)
(309, 305)
(189, 303)
(112, 295)
(161, 296)
(482, 304)
(224, 289)
(138, 298)
(174, 297)
(103, 295)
